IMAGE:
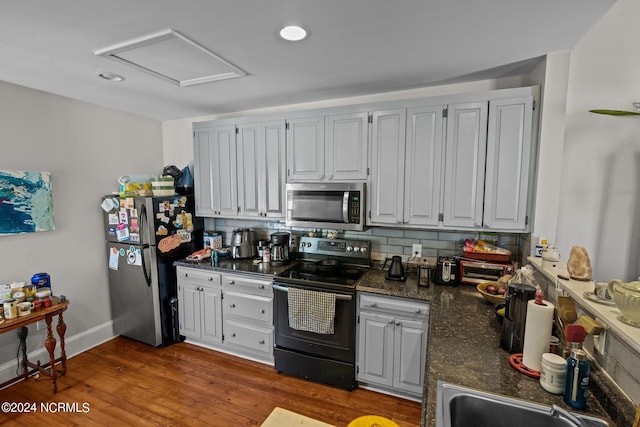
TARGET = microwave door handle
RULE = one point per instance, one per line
(345, 207)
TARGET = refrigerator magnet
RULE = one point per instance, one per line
(133, 212)
(106, 205)
(134, 237)
(124, 218)
(122, 232)
(113, 219)
(134, 224)
(113, 258)
(162, 231)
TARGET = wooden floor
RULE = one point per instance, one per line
(126, 383)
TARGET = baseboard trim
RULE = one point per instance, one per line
(74, 345)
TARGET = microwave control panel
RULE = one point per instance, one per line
(354, 207)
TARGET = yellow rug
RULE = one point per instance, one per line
(282, 418)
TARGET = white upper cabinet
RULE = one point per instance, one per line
(305, 149)
(423, 165)
(328, 148)
(386, 191)
(215, 169)
(466, 145)
(261, 174)
(346, 147)
(508, 163)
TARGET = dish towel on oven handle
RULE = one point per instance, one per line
(311, 311)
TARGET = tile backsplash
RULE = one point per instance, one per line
(387, 242)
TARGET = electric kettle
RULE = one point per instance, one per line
(396, 271)
(242, 243)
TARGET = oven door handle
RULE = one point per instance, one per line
(338, 296)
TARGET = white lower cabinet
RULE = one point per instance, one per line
(247, 317)
(199, 306)
(229, 313)
(392, 344)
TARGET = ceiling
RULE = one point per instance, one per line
(355, 47)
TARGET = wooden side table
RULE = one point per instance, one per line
(20, 324)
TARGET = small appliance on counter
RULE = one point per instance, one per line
(279, 248)
(446, 271)
(242, 243)
(515, 316)
(396, 271)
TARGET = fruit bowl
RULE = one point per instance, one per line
(493, 299)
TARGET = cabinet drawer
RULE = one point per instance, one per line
(202, 277)
(253, 337)
(394, 305)
(252, 307)
(247, 285)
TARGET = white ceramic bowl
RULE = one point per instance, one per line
(627, 298)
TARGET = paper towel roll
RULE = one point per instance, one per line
(537, 332)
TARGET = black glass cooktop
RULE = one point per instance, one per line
(318, 272)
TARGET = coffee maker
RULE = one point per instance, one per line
(515, 316)
(279, 248)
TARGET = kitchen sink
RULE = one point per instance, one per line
(462, 407)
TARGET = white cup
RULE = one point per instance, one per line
(601, 291)
(24, 308)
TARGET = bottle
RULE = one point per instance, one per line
(577, 374)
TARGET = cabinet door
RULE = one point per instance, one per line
(508, 157)
(189, 310)
(273, 153)
(423, 165)
(261, 162)
(211, 314)
(250, 167)
(465, 164)
(203, 183)
(375, 348)
(305, 149)
(387, 163)
(346, 147)
(410, 355)
(223, 164)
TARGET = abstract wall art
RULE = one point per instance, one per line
(26, 202)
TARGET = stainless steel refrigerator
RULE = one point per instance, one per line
(144, 236)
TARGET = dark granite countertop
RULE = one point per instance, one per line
(464, 346)
(236, 266)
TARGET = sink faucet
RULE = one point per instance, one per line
(558, 412)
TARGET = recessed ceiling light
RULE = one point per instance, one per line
(293, 33)
(112, 77)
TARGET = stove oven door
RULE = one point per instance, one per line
(338, 346)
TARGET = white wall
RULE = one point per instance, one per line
(85, 148)
(600, 189)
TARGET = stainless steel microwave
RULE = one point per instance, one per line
(334, 206)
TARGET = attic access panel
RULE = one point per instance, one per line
(173, 57)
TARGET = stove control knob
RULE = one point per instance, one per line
(356, 249)
(349, 248)
(363, 249)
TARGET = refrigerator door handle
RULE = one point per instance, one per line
(143, 246)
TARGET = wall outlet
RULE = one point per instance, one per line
(416, 250)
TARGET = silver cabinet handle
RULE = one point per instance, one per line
(398, 323)
(232, 305)
(261, 342)
(418, 311)
(185, 274)
(391, 322)
(232, 282)
(210, 279)
(373, 304)
(261, 286)
(262, 311)
(233, 335)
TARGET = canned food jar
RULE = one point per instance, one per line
(10, 309)
(41, 280)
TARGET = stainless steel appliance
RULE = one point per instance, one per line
(144, 236)
(515, 316)
(242, 243)
(326, 266)
(446, 271)
(339, 206)
(473, 272)
(279, 248)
